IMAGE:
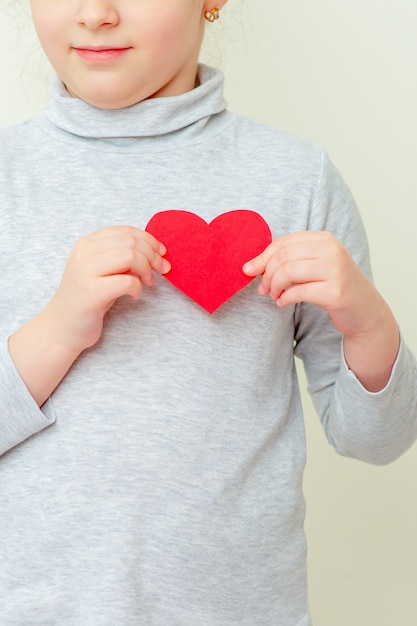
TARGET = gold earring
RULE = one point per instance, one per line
(212, 16)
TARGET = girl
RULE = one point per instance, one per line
(152, 453)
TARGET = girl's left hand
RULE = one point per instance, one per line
(313, 266)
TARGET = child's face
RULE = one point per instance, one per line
(115, 53)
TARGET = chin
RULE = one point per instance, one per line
(103, 96)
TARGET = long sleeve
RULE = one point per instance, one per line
(373, 427)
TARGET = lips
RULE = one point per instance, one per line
(99, 53)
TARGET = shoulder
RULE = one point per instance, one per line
(9, 132)
(272, 156)
(21, 142)
(21, 132)
(275, 146)
(262, 135)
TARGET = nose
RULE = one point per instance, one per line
(96, 14)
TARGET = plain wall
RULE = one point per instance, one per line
(342, 74)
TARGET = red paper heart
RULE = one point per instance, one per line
(207, 259)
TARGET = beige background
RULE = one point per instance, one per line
(341, 73)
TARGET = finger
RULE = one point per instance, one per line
(304, 237)
(304, 292)
(124, 236)
(128, 260)
(284, 248)
(285, 262)
(292, 273)
(257, 265)
(114, 287)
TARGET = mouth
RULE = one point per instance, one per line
(99, 53)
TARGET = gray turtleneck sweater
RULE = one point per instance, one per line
(161, 483)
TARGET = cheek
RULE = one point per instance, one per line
(49, 32)
(177, 28)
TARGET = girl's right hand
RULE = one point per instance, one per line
(110, 263)
(103, 266)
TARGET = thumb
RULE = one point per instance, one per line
(257, 265)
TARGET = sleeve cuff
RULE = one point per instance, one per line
(393, 379)
(20, 416)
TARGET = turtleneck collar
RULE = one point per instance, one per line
(155, 117)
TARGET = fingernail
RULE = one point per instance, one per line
(166, 266)
(248, 268)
